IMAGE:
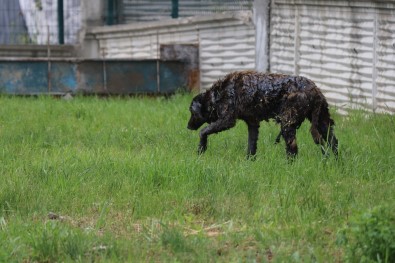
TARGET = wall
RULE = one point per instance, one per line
(226, 41)
(346, 47)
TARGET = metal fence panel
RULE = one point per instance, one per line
(385, 62)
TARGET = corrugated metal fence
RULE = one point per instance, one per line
(346, 47)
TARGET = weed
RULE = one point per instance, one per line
(370, 236)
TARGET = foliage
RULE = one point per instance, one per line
(370, 236)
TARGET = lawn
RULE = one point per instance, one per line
(119, 180)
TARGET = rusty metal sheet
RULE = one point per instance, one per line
(112, 77)
(90, 77)
(29, 77)
(62, 76)
(131, 78)
(173, 76)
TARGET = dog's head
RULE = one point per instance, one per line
(197, 116)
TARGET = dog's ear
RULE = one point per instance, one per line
(196, 107)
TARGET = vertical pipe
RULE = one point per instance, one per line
(105, 85)
(60, 22)
(110, 12)
(174, 8)
(157, 63)
(374, 62)
(49, 62)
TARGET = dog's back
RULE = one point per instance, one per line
(262, 95)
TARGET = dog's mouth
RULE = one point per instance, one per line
(194, 125)
(190, 127)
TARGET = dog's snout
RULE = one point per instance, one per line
(190, 127)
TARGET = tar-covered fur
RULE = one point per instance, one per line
(252, 97)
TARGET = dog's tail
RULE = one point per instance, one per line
(322, 124)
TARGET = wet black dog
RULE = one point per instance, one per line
(252, 97)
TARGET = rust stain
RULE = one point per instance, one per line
(193, 80)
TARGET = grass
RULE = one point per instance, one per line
(122, 181)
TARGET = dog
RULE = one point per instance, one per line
(253, 97)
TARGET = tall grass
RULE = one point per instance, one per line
(125, 182)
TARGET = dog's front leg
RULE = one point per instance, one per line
(253, 133)
(289, 134)
(215, 127)
(203, 143)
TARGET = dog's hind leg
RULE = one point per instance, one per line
(278, 138)
(253, 133)
(318, 138)
(333, 142)
(326, 130)
(214, 127)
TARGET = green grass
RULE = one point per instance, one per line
(124, 179)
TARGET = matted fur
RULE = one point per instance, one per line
(253, 97)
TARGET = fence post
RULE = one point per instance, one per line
(60, 22)
(174, 8)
